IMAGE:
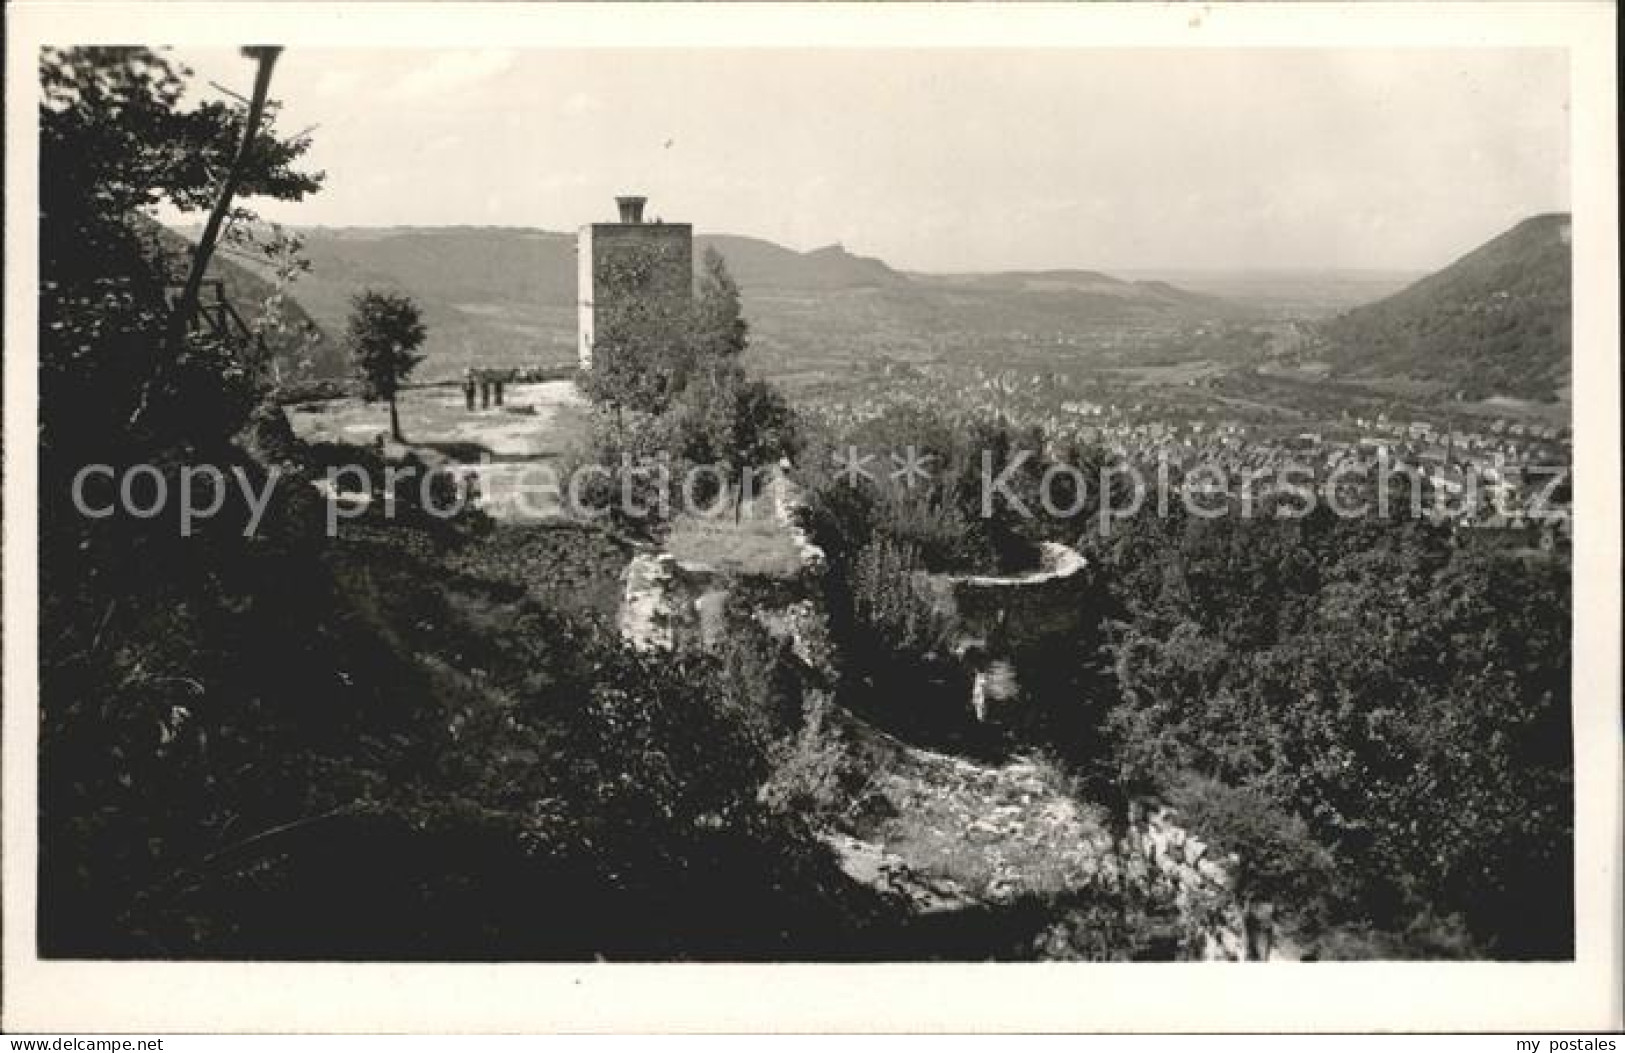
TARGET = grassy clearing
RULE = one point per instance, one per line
(537, 421)
(505, 446)
(756, 544)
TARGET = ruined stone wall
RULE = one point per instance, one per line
(1164, 856)
(668, 603)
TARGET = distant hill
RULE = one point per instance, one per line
(1497, 322)
(506, 296)
(1296, 293)
(1077, 290)
(758, 264)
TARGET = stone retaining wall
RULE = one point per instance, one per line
(787, 503)
(1022, 612)
(1004, 622)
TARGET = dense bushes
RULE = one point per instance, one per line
(356, 751)
(858, 487)
(1400, 706)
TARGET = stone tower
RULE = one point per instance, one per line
(630, 260)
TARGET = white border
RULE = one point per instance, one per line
(1178, 997)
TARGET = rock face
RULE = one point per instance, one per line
(948, 834)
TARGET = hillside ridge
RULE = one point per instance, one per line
(1495, 322)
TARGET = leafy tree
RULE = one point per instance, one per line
(294, 345)
(116, 141)
(385, 331)
(241, 163)
(620, 470)
(764, 427)
(651, 344)
(677, 367)
(720, 329)
(137, 731)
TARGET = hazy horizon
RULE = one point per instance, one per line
(937, 161)
(1133, 273)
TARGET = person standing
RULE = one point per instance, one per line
(468, 388)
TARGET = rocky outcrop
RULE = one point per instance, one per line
(950, 834)
(667, 603)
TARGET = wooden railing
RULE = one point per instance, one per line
(216, 316)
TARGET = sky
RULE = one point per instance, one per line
(947, 160)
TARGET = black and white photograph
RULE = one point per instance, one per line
(500, 502)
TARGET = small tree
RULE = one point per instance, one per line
(652, 344)
(764, 430)
(385, 332)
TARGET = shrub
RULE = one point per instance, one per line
(807, 766)
(888, 605)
